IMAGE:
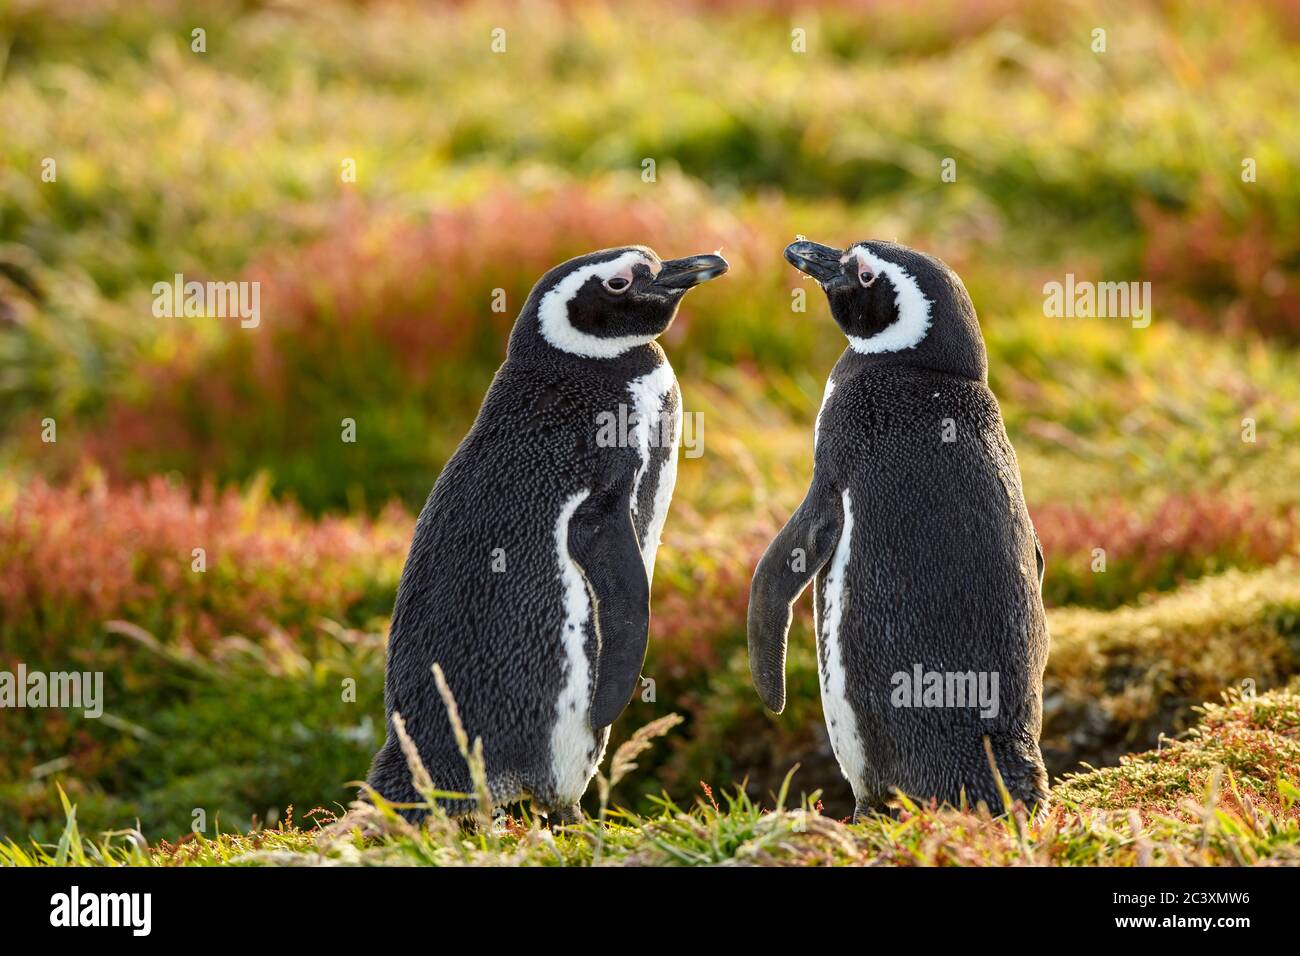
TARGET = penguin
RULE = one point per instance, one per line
(927, 570)
(528, 577)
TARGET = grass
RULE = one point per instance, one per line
(1225, 795)
(1126, 676)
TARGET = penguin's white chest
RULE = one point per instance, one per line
(821, 412)
(575, 750)
(656, 435)
(841, 721)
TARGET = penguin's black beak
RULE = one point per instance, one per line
(687, 273)
(820, 262)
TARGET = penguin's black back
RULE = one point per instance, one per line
(498, 635)
(944, 573)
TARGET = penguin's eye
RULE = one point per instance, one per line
(617, 284)
(866, 277)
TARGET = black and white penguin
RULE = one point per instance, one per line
(928, 611)
(528, 579)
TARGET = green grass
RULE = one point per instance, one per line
(1225, 795)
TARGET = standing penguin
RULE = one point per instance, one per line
(528, 580)
(930, 629)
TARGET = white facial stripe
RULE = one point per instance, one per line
(623, 273)
(553, 311)
(907, 331)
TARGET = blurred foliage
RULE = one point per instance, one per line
(226, 164)
(223, 670)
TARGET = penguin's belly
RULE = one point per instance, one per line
(576, 750)
(841, 720)
(658, 428)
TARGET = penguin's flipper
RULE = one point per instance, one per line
(791, 561)
(603, 542)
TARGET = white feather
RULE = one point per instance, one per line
(572, 741)
(905, 332)
(841, 722)
(663, 497)
(553, 311)
(648, 394)
(826, 399)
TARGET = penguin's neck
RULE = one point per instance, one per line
(921, 362)
(528, 349)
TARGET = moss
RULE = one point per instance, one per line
(1239, 750)
(1116, 680)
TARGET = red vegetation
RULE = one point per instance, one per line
(1233, 273)
(394, 319)
(1186, 536)
(74, 557)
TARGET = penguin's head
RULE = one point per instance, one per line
(898, 305)
(603, 304)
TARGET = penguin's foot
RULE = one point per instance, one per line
(564, 816)
(866, 809)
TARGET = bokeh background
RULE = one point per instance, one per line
(1170, 158)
